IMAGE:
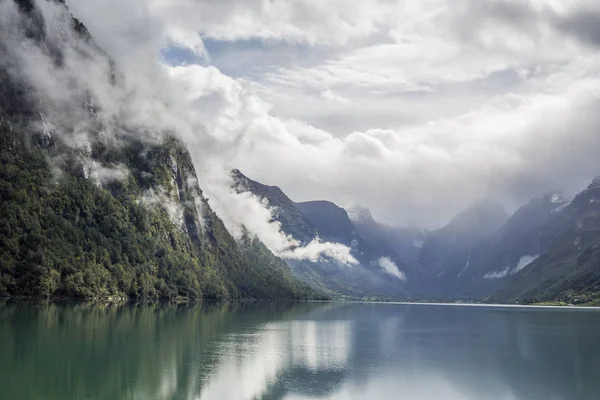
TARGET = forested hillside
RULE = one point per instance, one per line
(100, 212)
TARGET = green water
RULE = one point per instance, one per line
(297, 351)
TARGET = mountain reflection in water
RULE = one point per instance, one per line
(252, 351)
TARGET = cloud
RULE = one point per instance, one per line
(391, 268)
(524, 262)
(161, 198)
(521, 264)
(327, 94)
(244, 212)
(497, 274)
(300, 21)
(106, 174)
(413, 108)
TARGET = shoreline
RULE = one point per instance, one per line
(125, 300)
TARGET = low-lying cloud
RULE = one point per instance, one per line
(243, 212)
(523, 263)
(497, 274)
(411, 108)
(85, 95)
(390, 268)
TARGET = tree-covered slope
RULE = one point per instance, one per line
(97, 207)
(69, 235)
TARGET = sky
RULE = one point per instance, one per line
(412, 108)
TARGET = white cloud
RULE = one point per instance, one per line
(207, 109)
(524, 262)
(162, 199)
(105, 174)
(187, 40)
(327, 94)
(412, 108)
(301, 21)
(497, 274)
(244, 212)
(391, 268)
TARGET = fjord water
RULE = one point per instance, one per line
(297, 351)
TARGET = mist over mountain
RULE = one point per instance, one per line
(445, 252)
(494, 258)
(96, 203)
(117, 176)
(567, 267)
(370, 274)
(404, 242)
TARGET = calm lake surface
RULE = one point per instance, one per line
(297, 351)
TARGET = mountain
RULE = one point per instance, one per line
(333, 225)
(518, 242)
(401, 243)
(331, 221)
(568, 268)
(94, 206)
(446, 252)
(292, 220)
(326, 221)
(548, 250)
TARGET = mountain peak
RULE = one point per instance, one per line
(595, 184)
(236, 174)
(330, 219)
(242, 183)
(359, 213)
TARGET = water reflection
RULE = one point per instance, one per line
(296, 351)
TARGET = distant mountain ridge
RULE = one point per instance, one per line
(511, 248)
(446, 252)
(293, 222)
(306, 221)
(482, 253)
(568, 268)
(334, 225)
